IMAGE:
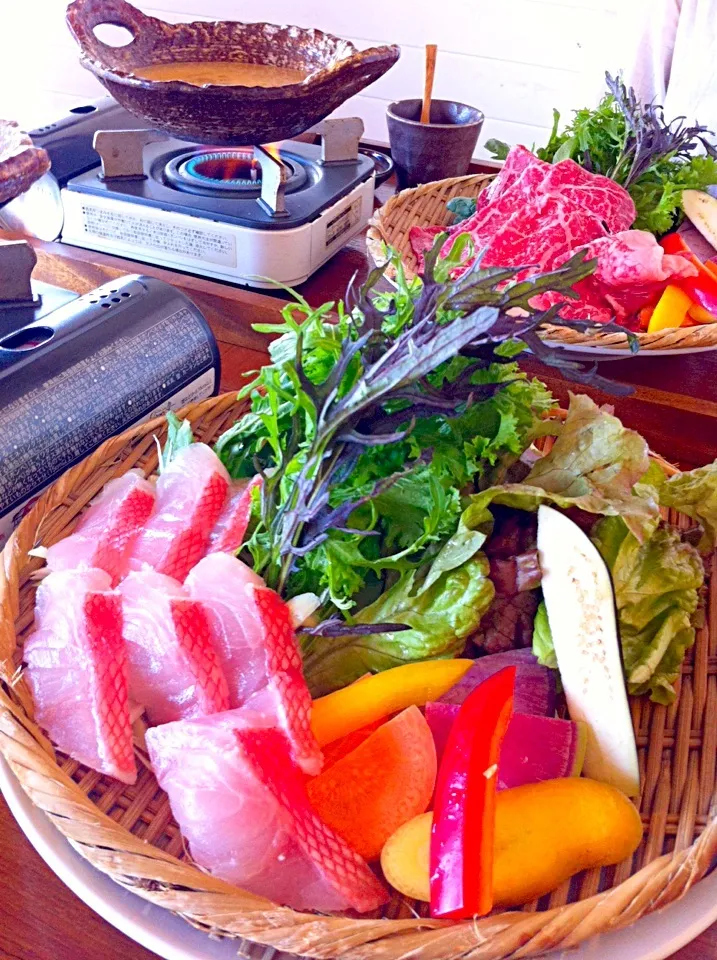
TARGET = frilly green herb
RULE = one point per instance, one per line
(377, 414)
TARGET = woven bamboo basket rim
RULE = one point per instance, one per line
(425, 206)
(128, 832)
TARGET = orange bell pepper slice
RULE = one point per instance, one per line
(374, 697)
(338, 749)
(699, 315)
(711, 267)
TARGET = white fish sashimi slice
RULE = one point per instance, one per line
(190, 495)
(77, 671)
(107, 530)
(174, 670)
(581, 612)
(228, 533)
(219, 582)
(239, 829)
(254, 638)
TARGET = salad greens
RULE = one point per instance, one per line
(179, 436)
(442, 614)
(656, 586)
(543, 639)
(593, 465)
(390, 428)
(631, 143)
(694, 493)
(367, 430)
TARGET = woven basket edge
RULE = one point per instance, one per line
(509, 934)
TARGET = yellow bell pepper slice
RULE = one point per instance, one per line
(373, 697)
(671, 309)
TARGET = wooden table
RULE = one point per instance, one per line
(674, 405)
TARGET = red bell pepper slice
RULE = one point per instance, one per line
(674, 243)
(702, 289)
(462, 837)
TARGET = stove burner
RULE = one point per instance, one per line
(232, 172)
(236, 168)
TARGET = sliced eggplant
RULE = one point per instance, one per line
(701, 208)
(581, 612)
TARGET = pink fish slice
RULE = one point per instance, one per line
(174, 671)
(285, 678)
(190, 496)
(191, 626)
(77, 671)
(219, 583)
(228, 533)
(107, 530)
(267, 752)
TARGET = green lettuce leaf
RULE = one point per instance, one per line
(694, 493)
(543, 639)
(594, 465)
(656, 586)
(442, 612)
(179, 436)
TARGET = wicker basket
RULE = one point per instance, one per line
(129, 834)
(425, 206)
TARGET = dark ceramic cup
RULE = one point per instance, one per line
(423, 152)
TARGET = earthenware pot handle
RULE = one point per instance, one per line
(84, 15)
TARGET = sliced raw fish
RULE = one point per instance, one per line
(255, 641)
(174, 671)
(228, 533)
(240, 802)
(77, 671)
(220, 582)
(285, 680)
(107, 530)
(190, 496)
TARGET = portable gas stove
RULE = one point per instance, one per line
(249, 215)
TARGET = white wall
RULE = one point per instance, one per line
(514, 59)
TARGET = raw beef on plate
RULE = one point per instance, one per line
(538, 214)
(240, 801)
(632, 270)
(77, 671)
(107, 530)
(190, 496)
(174, 671)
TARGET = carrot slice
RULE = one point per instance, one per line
(369, 793)
(333, 752)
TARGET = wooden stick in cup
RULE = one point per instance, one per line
(431, 51)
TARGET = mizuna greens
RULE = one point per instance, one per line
(390, 428)
(366, 430)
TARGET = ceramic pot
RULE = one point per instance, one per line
(423, 152)
(217, 114)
